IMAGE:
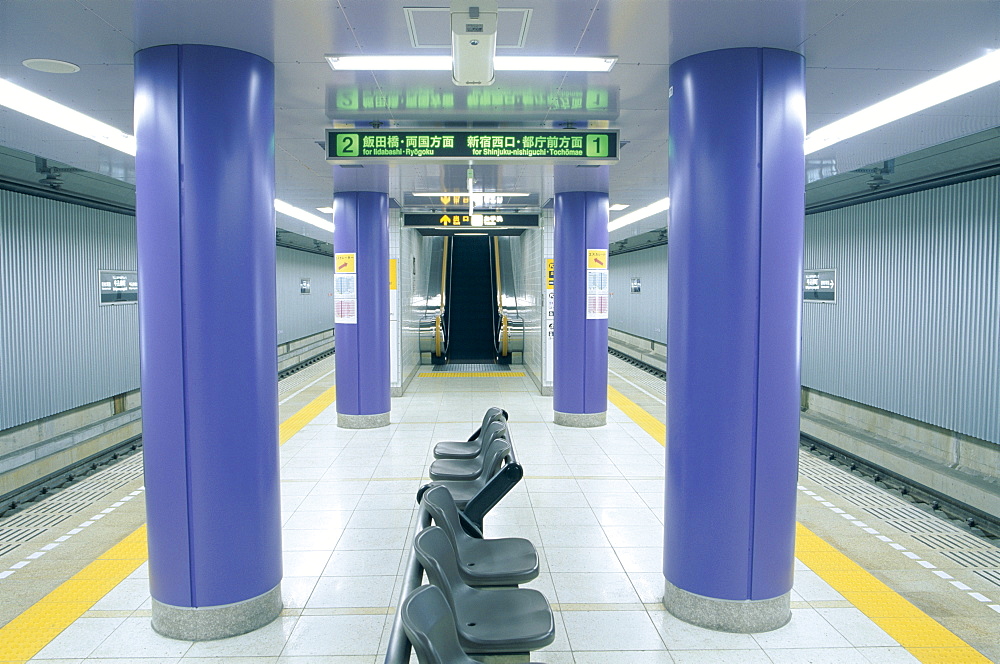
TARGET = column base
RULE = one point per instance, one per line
(726, 615)
(206, 623)
(345, 421)
(580, 419)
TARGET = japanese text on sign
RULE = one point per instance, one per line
(600, 146)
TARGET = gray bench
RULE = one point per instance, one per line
(494, 621)
(470, 448)
(430, 627)
(506, 561)
(472, 467)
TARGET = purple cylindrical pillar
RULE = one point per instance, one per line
(737, 125)
(580, 362)
(204, 120)
(361, 248)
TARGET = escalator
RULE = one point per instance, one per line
(469, 309)
(470, 315)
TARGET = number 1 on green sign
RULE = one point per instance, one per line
(348, 145)
(597, 145)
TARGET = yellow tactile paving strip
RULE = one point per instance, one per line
(294, 424)
(472, 374)
(925, 638)
(649, 424)
(24, 636)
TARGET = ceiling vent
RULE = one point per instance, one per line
(430, 27)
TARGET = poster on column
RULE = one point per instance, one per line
(345, 290)
(597, 283)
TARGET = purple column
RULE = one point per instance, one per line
(737, 124)
(204, 119)
(580, 362)
(361, 241)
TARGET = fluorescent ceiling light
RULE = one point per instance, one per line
(42, 108)
(661, 205)
(618, 207)
(443, 63)
(959, 81)
(302, 215)
(390, 62)
(554, 63)
(326, 210)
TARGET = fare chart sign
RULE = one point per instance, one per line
(576, 146)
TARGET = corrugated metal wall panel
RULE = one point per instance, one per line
(916, 326)
(59, 348)
(644, 313)
(299, 314)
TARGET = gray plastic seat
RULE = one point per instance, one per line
(494, 621)
(430, 627)
(507, 561)
(470, 448)
(464, 470)
(464, 490)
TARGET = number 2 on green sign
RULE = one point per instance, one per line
(597, 145)
(347, 145)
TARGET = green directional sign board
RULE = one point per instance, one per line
(567, 146)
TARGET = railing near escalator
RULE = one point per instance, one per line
(433, 328)
(509, 325)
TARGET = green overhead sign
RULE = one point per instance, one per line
(575, 146)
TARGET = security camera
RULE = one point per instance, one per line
(473, 41)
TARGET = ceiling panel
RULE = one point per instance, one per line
(857, 53)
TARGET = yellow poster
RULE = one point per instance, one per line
(550, 272)
(597, 259)
(344, 263)
(392, 274)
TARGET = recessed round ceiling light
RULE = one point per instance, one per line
(50, 66)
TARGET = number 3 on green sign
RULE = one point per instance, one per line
(347, 145)
(597, 145)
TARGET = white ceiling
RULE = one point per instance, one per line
(857, 52)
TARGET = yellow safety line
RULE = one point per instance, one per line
(294, 424)
(925, 638)
(470, 374)
(649, 424)
(24, 636)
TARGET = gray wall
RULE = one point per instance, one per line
(528, 273)
(643, 314)
(59, 348)
(302, 315)
(916, 329)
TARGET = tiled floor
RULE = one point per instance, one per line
(592, 502)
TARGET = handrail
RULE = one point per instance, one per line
(503, 336)
(398, 650)
(437, 335)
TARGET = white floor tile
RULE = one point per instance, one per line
(611, 630)
(268, 641)
(81, 638)
(806, 629)
(352, 592)
(135, 638)
(594, 588)
(334, 635)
